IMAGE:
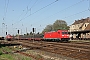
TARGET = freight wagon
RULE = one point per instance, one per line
(60, 35)
(1, 38)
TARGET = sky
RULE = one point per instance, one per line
(23, 15)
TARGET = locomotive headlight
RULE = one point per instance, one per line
(62, 35)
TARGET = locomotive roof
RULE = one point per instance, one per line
(55, 31)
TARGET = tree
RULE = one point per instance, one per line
(48, 28)
(38, 33)
(60, 24)
(27, 33)
(31, 33)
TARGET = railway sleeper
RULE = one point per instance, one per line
(78, 55)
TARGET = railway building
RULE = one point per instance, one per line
(80, 29)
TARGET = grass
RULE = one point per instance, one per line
(14, 57)
(11, 56)
(79, 40)
(1, 52)
(6, 56)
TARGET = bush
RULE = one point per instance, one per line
(1, 53)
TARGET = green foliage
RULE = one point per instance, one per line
(11, 56)
(8, 56)
(48, 28)
(1, 53)
(27, 33)
(6, 49)
(31, 33)
(57, 25)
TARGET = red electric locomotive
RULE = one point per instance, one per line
(9, 37)
(60, 35)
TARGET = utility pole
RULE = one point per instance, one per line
(26, 30)
(3, 25)
(21, 31)
(89, 5)
(12, 29)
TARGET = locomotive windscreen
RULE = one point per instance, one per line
(64, 32)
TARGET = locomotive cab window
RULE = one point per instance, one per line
(64, 32)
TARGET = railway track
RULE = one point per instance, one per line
(79, 51)
(76, 51)
(21, 51)
(59, 45)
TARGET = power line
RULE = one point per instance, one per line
(5, 12)
(44, 7)
(40, 9)
(34, 4)
(70, 7)
(89, 5)
(64, 9)
(76, 13)
(57, 12)
(28, 9)
(22, 14)
(73, 14)
(6, 7)
(25, 8)
(60, 11)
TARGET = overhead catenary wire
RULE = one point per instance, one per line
(62, 10)
(89, 5)
(34, 4)
(22, 14)
(5, 10)
(59, 11)
(4, 17)
(28, 9)
(38, 10)
(76, 14)
(44, 7)
(67, 8)
(24, 10)
(35, 11)
(72, 14)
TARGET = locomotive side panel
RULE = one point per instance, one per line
(57, 35)
(51, 35)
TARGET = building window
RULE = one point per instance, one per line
(85, 25)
